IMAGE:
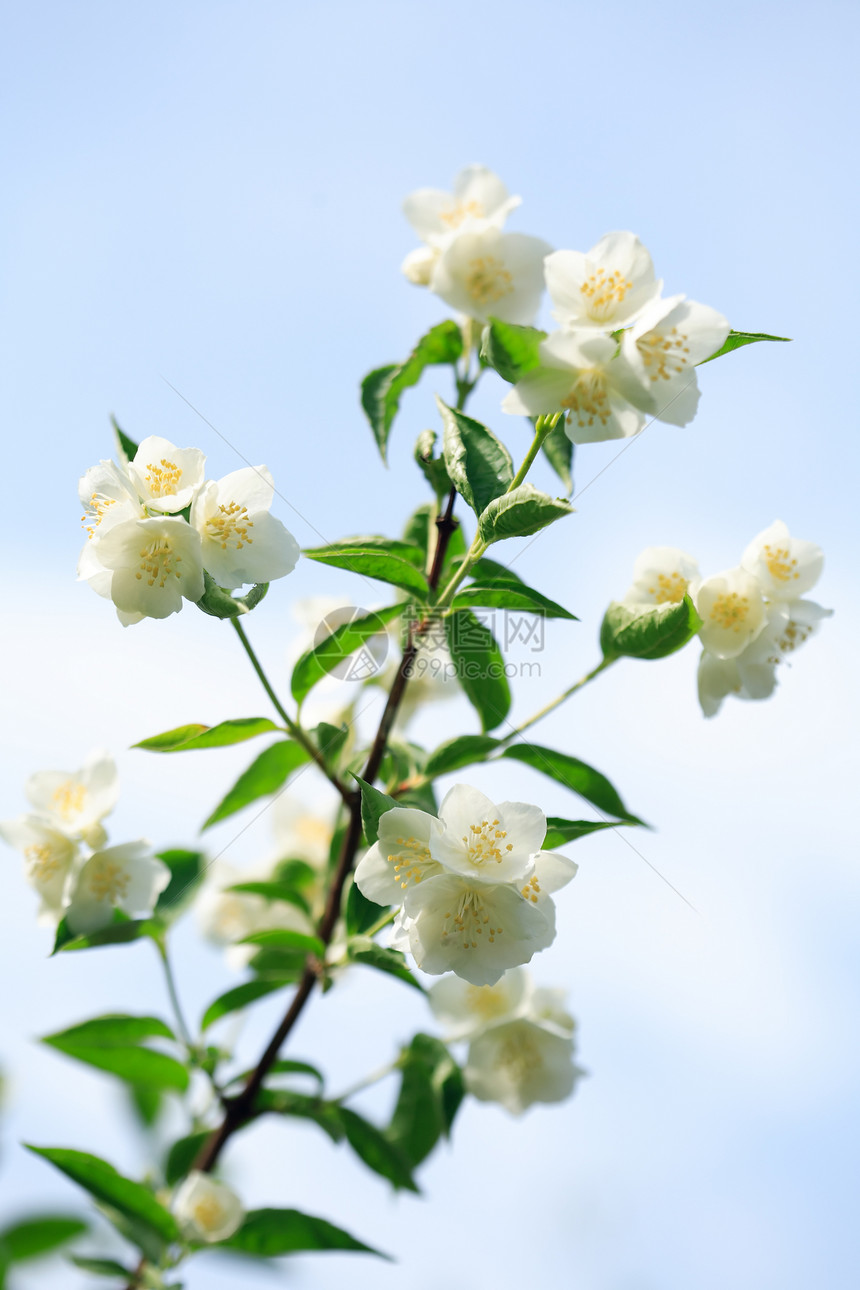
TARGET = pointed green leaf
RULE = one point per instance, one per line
(479, 464)
(465, 750)
(381, 389)
(102, 1267)
(374, 562)
(239, 997)
(510, 349)
(480, 667)
(363, 950)
(649, 631)
(103, 1182)
(431, 1090)
(273, 891)
(373, 805)
(100, 1043)
(282, 938)
(520, 513)
(377, 1151)
(736, 339)
(270, 1232)
(187, 870)
(119, 931)
(559, 832)
(282, 1101)
(432, 468)
(127, 447)
(509, 595)
(574, 774)
(342, 642)
(190, 738)
(266, 774)
(182, 1154)
(361, 914)
(558, 450)
(114, 1030)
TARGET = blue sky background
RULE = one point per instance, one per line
(209, 195)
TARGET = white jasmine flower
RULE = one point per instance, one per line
(488, 274)
(49, 855)
(479, 198)
(76, 802)
(418, 265)
(108, 497)
(155, 563)
(400, 858)
(166, 477)
(585, 377)
(300, 834)
(466, 1010)
(126, 877)
(663, 348)
(604, 289)
(733, 612)
(661, 576)
(521, 1062)
(241, 541)
(786, 567)
(207, 1210)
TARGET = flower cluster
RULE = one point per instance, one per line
(63, 841)
(753, 616)
(473, 884)
(155, 524)
(520, 1039)
(623, 353)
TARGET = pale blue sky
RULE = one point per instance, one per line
(209, 194)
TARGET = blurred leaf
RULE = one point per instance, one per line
(379, 1154)
(270, 1232)
(103, 1182)
(189, 738)
(102, 1267)
(431, 1090)
(119, 931)
(239, 997)
(187, 869)
(363, 950)
(282, 938)
(182, 1154)
(30, 1238)
(361, 914)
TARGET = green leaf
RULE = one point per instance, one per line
(190, 738)
(187, 870)
(432, 468)
(520, 513)
(30, 1238)
(270, 1232)
(479, 464)
(283, 966)
(330, 740)
(101, 1267)
(146, 1103)
(465, 750)
(223, 604)
(282, 1101)
(558, 450)
(342, 642)
(373, 805)
(183, 1153)
(510, 595)
(282, 938)
(284, 1066)
(421, 527)
(487, 571)
(111, 1044)
(510, 349)
(381, 389)
(377, 1151)
(431, 1090)
(580, 778)
(266, 774)
(239, 997)
(375, 562)
(127, 447)
(736, 339)
(363, 950)
(480, 667)
(103, 1182)
(648, 632)
(361, 914)
(273, 891)
(559, 831)
(120, 931)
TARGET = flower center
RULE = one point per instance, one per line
(42, 862)
(779, 563)
(455, 215)
(231, 524)
(482, 842)
(163, 478)
(157, 562)
(95, 512)
(671, 588)
(663, 353)
(109, 881)
(470, 919)
(588, 398)
(488, 1001)
(531, 890)
(603, 292)
(488, 280)
(208, 1213)
(519, 1055)
(68, 799)
(410, 861)
(729, 610)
